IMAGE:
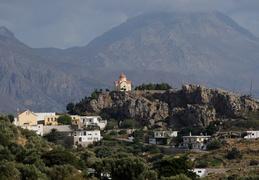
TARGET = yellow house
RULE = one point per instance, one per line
(51, 120)
(123, 84)
(75, 119)
(27, 117)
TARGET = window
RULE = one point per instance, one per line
(84, 133)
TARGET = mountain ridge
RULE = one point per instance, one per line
(209, 49)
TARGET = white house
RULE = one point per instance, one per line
(165, 134)
(160, 137)
(201, 172)
(195, 142)
(93, 120)
(38, 128)
(252, 134)
(83, 137)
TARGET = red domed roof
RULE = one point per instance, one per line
(122, 76)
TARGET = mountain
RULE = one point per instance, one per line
(197, 48)
(208, 49)
(31, 80)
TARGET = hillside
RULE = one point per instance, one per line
(194, 106)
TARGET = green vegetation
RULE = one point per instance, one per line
(150, 86)
(52, 136)
(234, 154)
(130, 124)
(111, 124)
(94, 95)
(211, 128)
(215, 144)
(175, 166)
(65, 119)
(70, 108)
(25, 155)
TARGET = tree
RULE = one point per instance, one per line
(150, 86)
(53, 135)
(102, 152)
(62, 157)
(70, 108)
(8, 171)
(65, 119)
(11, 117)
(124, 166)
(211, 128)
(215, 144)
(111, 124)
(175, 166)
(94, 95)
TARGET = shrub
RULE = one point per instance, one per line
(216, 144)
(234, 154)
(130, 124)
(65, 119)
(113, 133)
(122, 132)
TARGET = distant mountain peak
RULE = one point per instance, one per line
(6, 33)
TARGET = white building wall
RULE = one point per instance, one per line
(164, 134)
(201, 172)
(252, 134)
(196, 142)
(40, 116)
(86, 137)
(37, 128)
(93, 120)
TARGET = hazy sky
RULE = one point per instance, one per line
(68, 23)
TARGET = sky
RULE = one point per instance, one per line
(68, 23)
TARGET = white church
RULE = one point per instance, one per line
(123, 84)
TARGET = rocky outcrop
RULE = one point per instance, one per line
(193, 105)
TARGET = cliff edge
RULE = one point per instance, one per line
(193, 105)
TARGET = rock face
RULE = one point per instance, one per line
(193, 105)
